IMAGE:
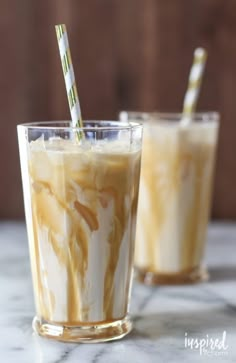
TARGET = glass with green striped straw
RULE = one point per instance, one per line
(69, 77)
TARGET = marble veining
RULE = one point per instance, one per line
(161, 315)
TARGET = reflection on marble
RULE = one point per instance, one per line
(162, 315)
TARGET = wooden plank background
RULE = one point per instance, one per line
(131, 54)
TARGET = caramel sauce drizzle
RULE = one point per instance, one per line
(161, 185)
(88, 215)
(105, 179)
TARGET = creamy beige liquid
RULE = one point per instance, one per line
(175, 196)
(83, 216)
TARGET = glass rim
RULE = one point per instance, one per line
(209, 116)
(55, 125)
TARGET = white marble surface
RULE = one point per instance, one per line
(162, 315)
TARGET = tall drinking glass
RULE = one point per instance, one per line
(80, 193)
(175, 196)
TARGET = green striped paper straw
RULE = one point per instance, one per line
(194, 83)
(69, 76)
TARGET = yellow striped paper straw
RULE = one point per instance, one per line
(69, 75)
(194, 82)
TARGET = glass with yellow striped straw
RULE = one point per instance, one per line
(80, 198)
(177, 170)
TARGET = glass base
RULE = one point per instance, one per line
(86, 333)
(191, 276)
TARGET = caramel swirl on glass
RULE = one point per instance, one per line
(175, 197)
(83, 212)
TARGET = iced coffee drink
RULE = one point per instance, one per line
(175, 196)
(80, 201)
